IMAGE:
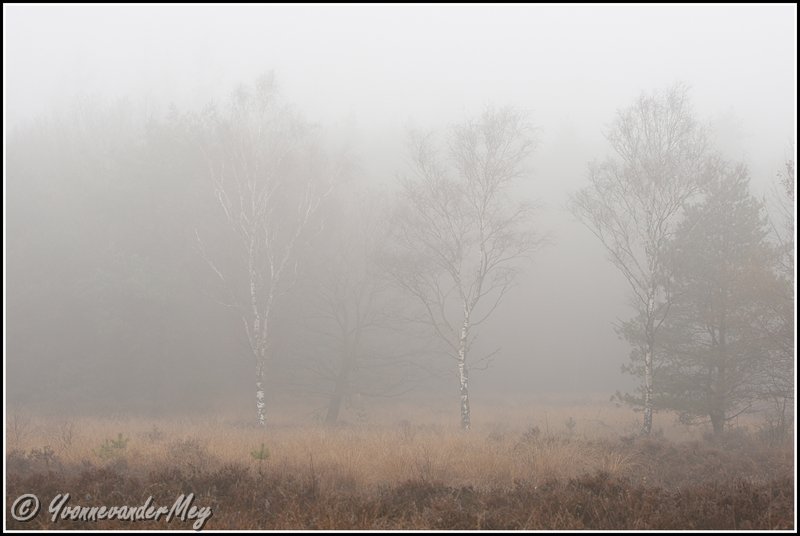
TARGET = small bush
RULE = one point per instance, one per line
(260, 454)
(531, 434)
(570, 424)
(188, 455)
(43, 455)
(154, 435)
(113, 448)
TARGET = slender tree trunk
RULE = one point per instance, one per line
(349, 349)
(647, 424)
(782, 426)
(260, 414)
(717, 421)
(463, 374)
(335, 403)
(650, 337)
(334, 406)
(717, 413)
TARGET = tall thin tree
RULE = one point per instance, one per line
(459, 234)
(635, 200)
(269, 180)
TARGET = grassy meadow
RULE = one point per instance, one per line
(524, 465)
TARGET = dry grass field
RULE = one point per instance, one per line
(561, 467)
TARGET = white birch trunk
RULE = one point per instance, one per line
(647, 423)
(463, 374)
(260, 404)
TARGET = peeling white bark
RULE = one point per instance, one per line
(463, 374)
(246, 158)
(634, 203)
(647, 423)
(262, 421)
(472, 237)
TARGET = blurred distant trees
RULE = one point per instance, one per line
(355, 344)
(123, 220)
(102, 293)
(778, 378)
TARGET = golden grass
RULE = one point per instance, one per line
(520, 441)
(524, 465)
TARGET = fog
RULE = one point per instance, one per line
(110, 301)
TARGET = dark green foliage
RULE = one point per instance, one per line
(714, 345)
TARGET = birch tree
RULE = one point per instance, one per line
(269, 181)
(634, 201)
(459, 235)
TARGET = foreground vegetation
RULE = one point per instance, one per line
(405, 475)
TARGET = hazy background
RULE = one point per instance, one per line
(366, 74)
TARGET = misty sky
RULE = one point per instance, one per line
(381, 69)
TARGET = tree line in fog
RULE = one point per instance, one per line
(146, 247)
